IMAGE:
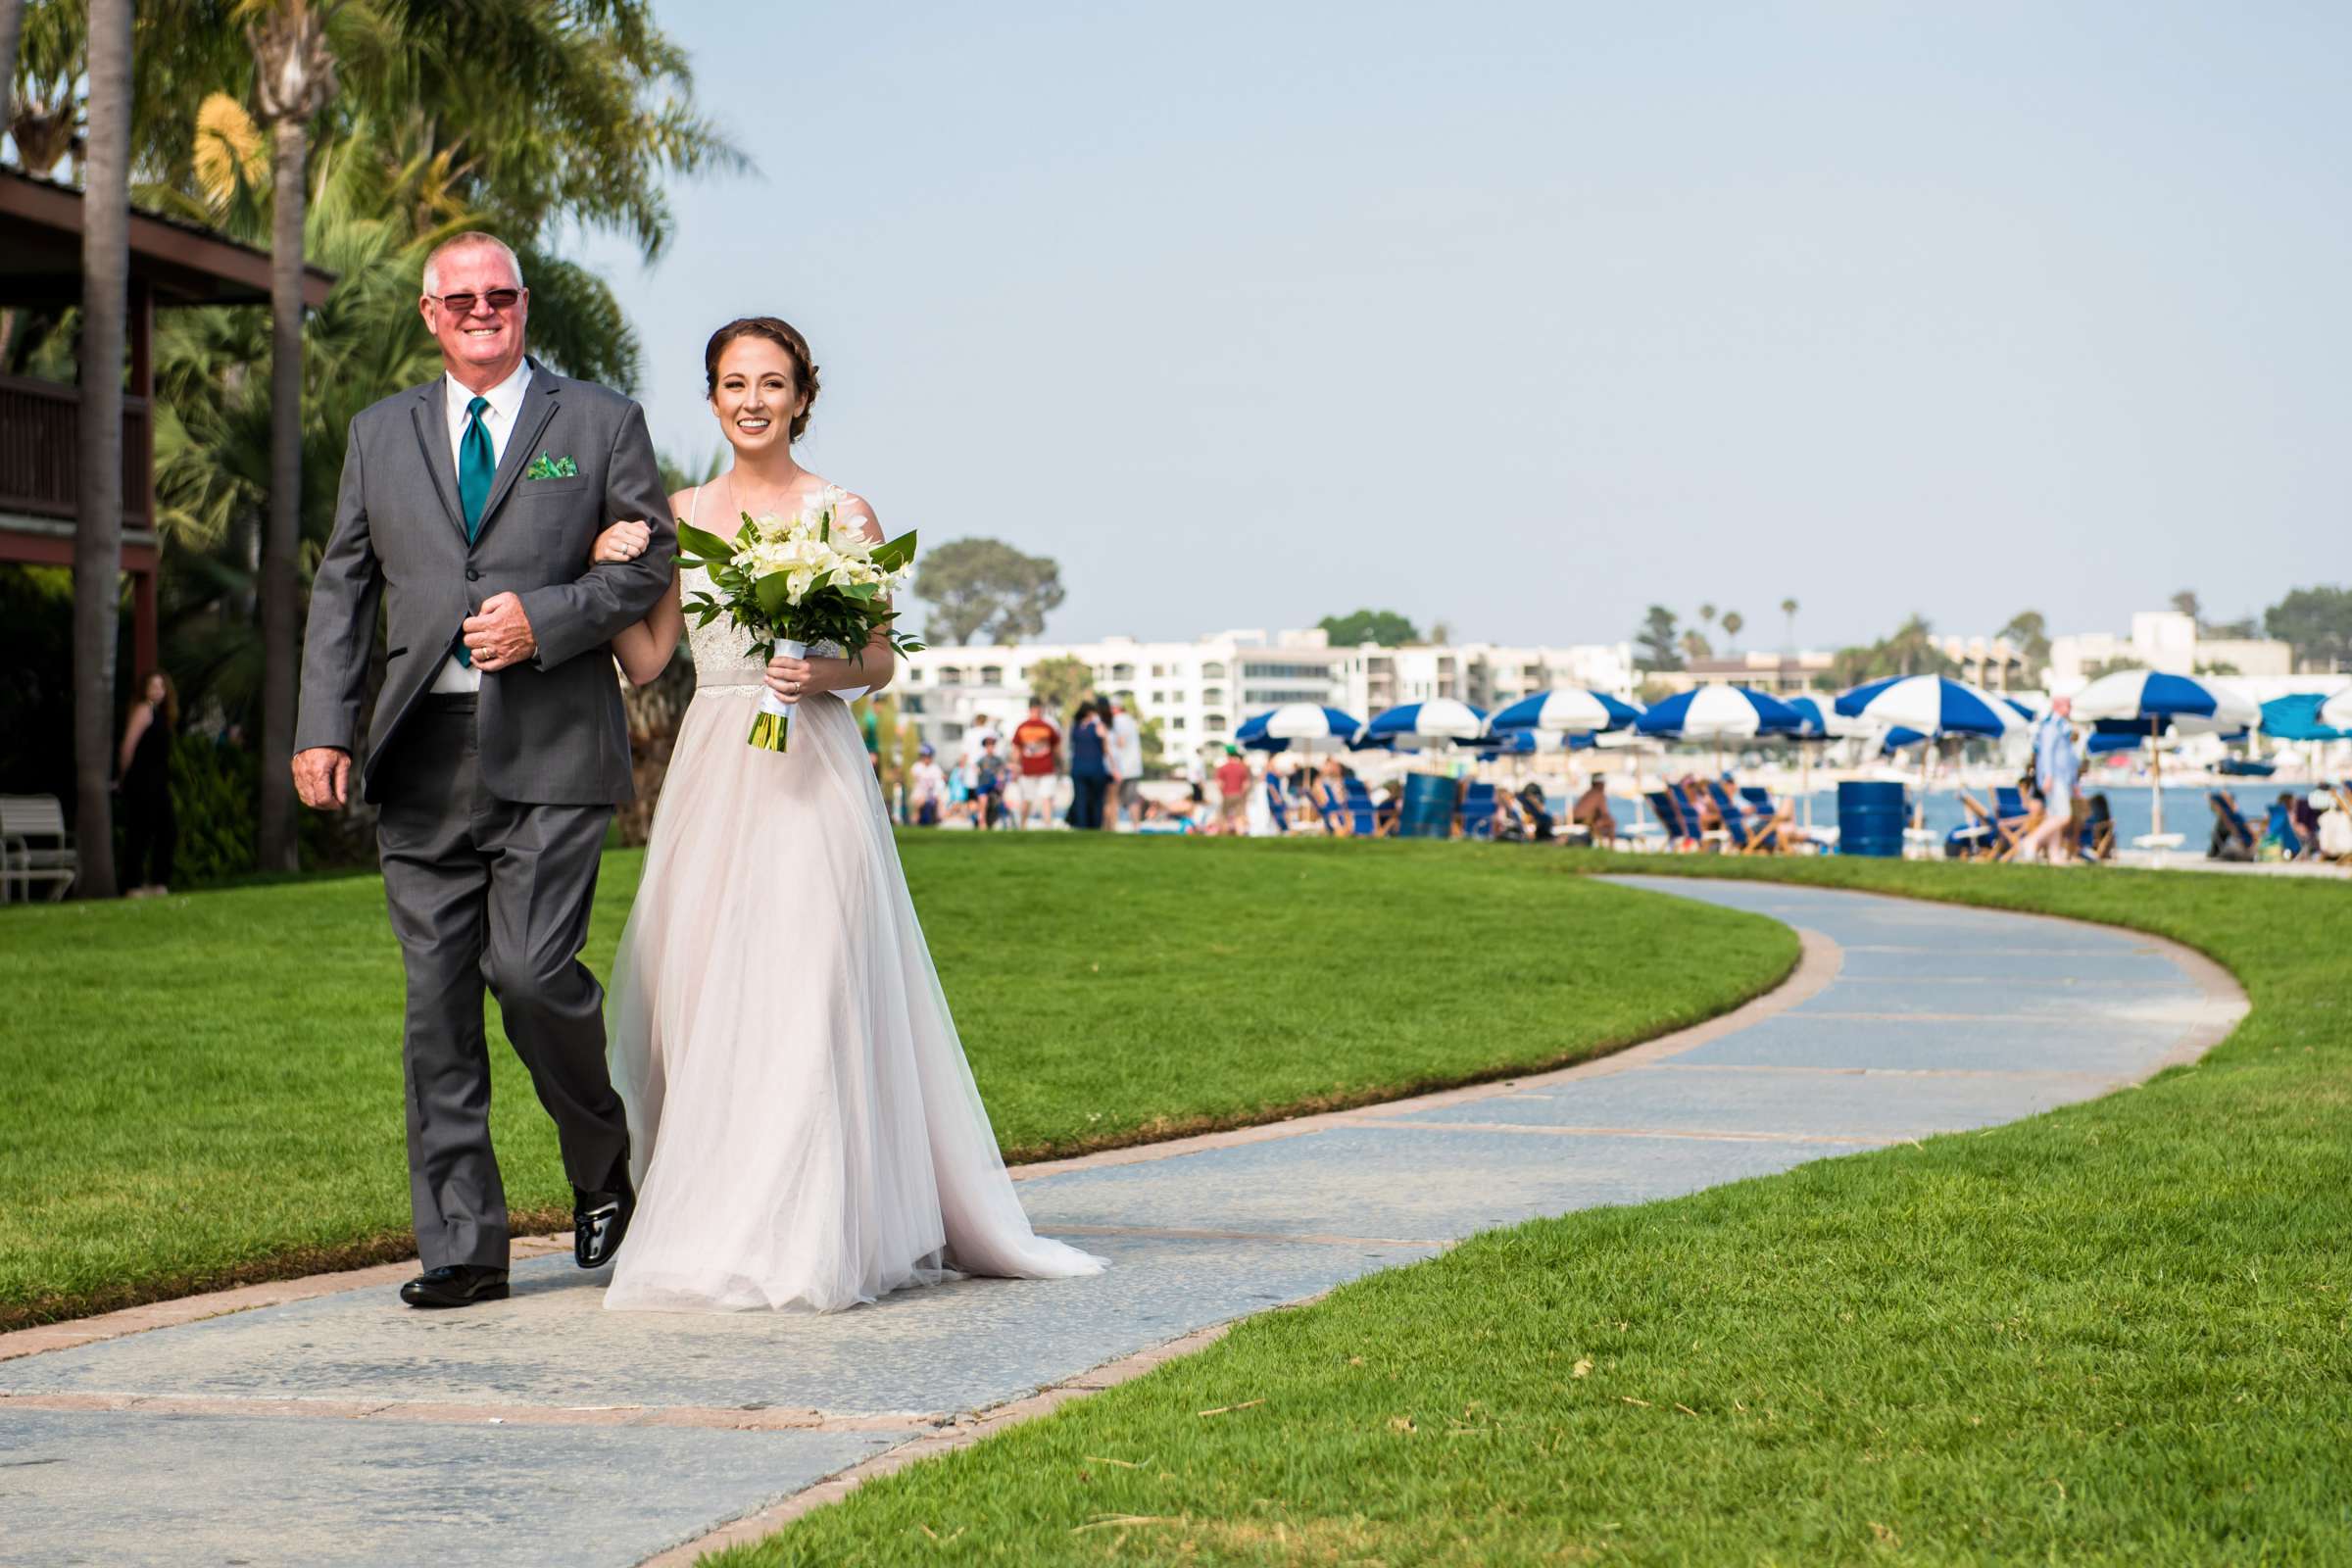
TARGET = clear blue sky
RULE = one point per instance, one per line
(1523, 316)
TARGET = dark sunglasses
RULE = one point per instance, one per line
(498, 299)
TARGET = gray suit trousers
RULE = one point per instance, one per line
(483, 889)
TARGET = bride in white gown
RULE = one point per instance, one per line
(804, 1129)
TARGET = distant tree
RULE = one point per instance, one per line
(985, 585)
(2185, 602)
(2219, 666)
(2316, 621)
(1706, 614)
(1652, 691)
(1385, 627)
(684, 473)
(2245, 626)
(1058, 682)
(1788, 613)
(2110, 667)
(1657, 640)
(1910, 650)
(1440, 632)
(1733, 620)
(2029, 634)
(1696, 645)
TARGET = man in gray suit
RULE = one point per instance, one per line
(499, 747)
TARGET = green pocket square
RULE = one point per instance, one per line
(544, 467)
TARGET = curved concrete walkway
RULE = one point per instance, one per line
(322, 1423)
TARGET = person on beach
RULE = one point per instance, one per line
(2056, 771)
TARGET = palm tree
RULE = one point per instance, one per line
(1733, 620)
(98, 531)
(1788, 613)
(11, 22)
(294, 77)
(1706, 614)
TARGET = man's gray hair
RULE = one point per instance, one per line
(471, 238)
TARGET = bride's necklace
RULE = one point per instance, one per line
(735, 495)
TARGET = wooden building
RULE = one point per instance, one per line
(171, 263)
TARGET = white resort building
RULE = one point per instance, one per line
(1202, 690)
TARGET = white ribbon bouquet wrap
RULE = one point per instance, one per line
(799, 581)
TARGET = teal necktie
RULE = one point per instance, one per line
(476, 466)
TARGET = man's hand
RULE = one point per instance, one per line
(323, 776)
(500, 637)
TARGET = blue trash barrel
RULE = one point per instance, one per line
(1429, 806)
(1871, 818)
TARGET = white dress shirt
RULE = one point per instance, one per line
(506, 402)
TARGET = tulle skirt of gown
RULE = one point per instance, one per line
(804, 1129)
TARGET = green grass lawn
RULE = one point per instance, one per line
(2114, 1334)
(207, 1089)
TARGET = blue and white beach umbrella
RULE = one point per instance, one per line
(1719, 713)
(1276, 728)
(1934, 706)
(2152, 699)
(1440, 720)
(2336, 710)
(1571, 711)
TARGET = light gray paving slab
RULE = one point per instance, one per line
(958, 1347)
(1399, 1180)
(2113, 1048)
(120, 1489)
(1878, 1103)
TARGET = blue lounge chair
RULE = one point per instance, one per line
(1679, 834)
(1278, 804)
(1478, 810)
(2010, 815)
(2234, 821)
(1756, 798)
(1693, 820)
(1362, 816)
(1760, 836)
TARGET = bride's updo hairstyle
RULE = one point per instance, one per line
(784, 335)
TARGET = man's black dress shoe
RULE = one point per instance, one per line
(599, 1219)
(456, 1285)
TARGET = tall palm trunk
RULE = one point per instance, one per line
(294, 75)
(98, 535)
(12, 27)
(280, 586)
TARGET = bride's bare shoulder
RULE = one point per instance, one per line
(861, 510)
(852, 507)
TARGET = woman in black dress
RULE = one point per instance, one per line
(146, 785)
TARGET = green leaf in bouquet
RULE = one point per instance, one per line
(859, 590)
(709, 548)
(895, 555)
(774, 593)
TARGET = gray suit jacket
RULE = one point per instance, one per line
(552, 730)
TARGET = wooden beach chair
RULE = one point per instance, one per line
(1745, 835)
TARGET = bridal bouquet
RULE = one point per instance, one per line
(796, 582)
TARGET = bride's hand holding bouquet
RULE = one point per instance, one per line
(793, 582)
